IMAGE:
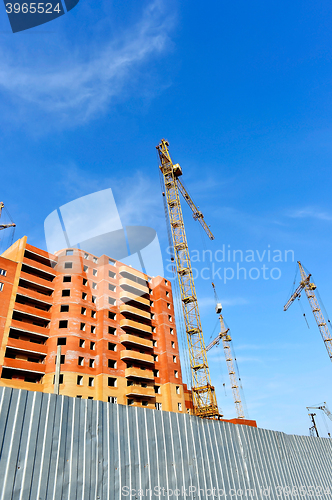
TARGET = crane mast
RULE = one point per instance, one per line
(204, 397)
(309, 288)
(226, 340)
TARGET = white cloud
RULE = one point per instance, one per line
(82, 83)
(137, 198)
(310, 213)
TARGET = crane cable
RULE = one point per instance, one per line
(302, 310)
(202, 235)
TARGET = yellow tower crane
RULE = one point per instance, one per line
(313, 430)
(4, 226)
(226, 342)
(309, 288)
(204, 397)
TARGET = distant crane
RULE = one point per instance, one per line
(204, 397)
(5, 226)
(313, 430)
(309, 287)
(226, 342)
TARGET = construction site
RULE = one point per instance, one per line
(93, 403)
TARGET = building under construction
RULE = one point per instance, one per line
(113, 326)
(92, 402)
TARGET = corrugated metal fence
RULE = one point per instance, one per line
(57, 448)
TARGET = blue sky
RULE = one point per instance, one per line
(242, 91)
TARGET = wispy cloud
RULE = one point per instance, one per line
(81, 84)
(310, 213)
(137, 197)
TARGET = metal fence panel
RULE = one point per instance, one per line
(60, 448)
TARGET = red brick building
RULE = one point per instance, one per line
(115, 326)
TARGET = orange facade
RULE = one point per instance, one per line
(115, 327)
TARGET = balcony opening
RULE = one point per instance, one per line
(111, 347)
(111, 315)
(144, 403)
(130, 402)
(9, 374)
(111, 330)
(26, 268)
(157, 389)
